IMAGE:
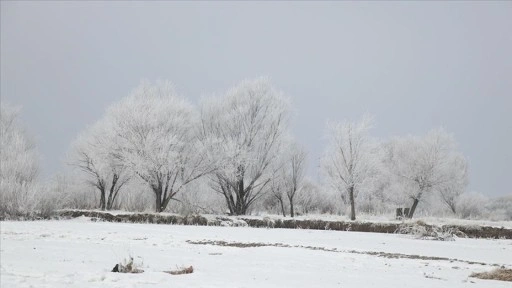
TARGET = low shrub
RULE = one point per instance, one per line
(421, 230)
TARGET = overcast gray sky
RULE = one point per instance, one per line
(413, 65)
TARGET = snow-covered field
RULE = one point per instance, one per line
(80, 253)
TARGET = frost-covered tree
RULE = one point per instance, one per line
(18, 163)
(92, 153)
(499, 208)
(312, 198)
(451, 190)
(156, 138)
(427, 164)
(308, 200)
(277, 191)
(288, 180)
(294, 171)
(472, 205)
(245, 131)
(349, 160)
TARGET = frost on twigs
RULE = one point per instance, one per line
(421, 230)
(182, 270)
(128, 266)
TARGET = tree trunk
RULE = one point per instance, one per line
(352, 203)
(240, 207)
(282, 207)
(111, 196)
(102, 199)
(110, 201)
(166, 201)
(413, 208)
(158, 202)
(231, 203)
(240, 199)
(292, 213)
(452, 207)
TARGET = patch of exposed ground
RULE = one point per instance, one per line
(181, 271)
(372, 253)
(501, 274)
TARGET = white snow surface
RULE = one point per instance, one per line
(81, 253)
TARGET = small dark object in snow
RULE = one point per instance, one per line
(127, 267)
(399, 214)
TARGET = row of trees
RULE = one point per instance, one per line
(412, 164)
(240, 142)
(238, 145)
(236, 140)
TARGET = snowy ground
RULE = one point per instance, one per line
(80, 253)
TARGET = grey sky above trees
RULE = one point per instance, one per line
(413, 65)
